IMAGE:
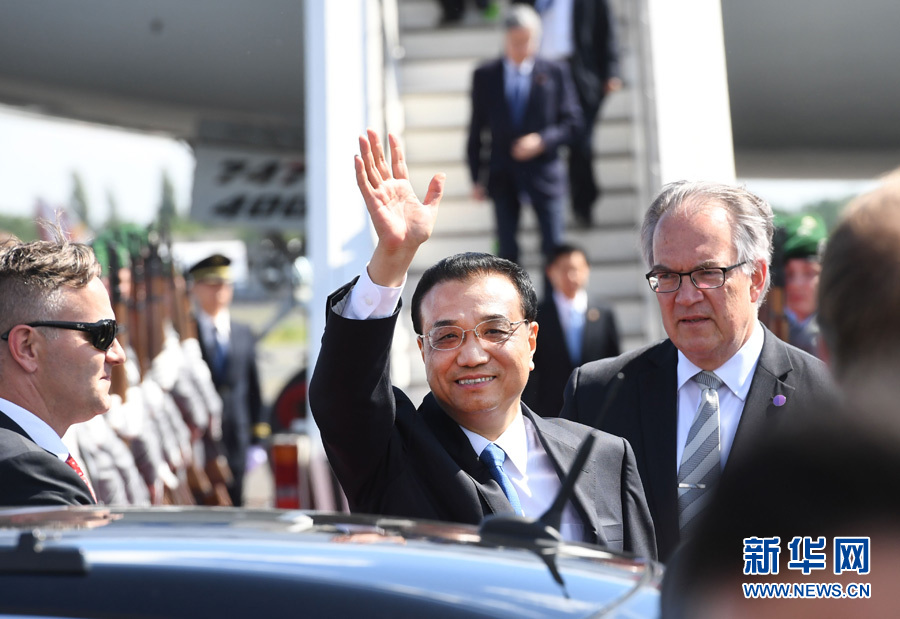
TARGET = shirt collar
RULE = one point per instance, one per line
(737, 372)
(580, 302)
(36, 428)
(523, 69)
(514, 441)
(221, 323)
(792, 318)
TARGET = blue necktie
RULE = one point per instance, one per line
(220, 356)
(518, 100)
(574, 335)
(493, 456)
(542, 5)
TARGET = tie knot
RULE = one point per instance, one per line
(708, 380)
(493, 454)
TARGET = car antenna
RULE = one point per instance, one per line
(553, 516)
(542, 535)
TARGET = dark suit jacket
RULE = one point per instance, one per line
(393, 459)
(552, 364)
(239, 387)
(31, 475)
(644, 411)
(595, 56)
(552, 111)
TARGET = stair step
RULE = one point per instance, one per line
(442, 110)
(602, 244)
(426, 15)
(452, 43)
(448, 145)
(464, 216)
(437, 76)
(617, 174)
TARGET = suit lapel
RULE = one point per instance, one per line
(658, 405)
(461, 488)
(549, 314)
(769, 380)
(594, 332)
(562, 455)
(498, 84)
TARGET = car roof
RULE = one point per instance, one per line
(228, 562)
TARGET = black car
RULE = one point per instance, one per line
(226, 562)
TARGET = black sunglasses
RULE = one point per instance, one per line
(103, 332)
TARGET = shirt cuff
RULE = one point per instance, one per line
(368, 301)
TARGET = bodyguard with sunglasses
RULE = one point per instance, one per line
(472, 448)
(708, 247)
(56, 356)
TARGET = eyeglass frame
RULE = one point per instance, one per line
(513, 327)
(91, 328)
(724, 270)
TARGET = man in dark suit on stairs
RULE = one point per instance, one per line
(582, 33)
(529, 107)
(708, 246)
(575, 328)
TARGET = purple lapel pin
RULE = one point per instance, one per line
(779, 400)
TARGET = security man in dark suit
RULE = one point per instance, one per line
(58, 333)
(693, 402)
(575, 328)
(529, 107)
(582, 33)
(472, 448)
(229, 349)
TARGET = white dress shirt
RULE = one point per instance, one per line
(36, 428)
(571, 314)
(557, 21)
(527, 463)
(215, 328)
(529, 469)
(736, 374)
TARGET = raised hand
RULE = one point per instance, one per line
(401, 221)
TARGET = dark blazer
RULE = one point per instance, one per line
(31, 475)
(644, 411)
(552, 111)
(595, 56)
(396, 460)
(241, 397)
(552, 363)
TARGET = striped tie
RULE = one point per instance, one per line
(700, 462)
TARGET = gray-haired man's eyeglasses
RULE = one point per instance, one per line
(704, 279)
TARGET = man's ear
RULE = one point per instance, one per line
(23, 347)
(532, 342)
(758, 280)
(421, 344)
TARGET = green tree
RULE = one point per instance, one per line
(25, 228)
